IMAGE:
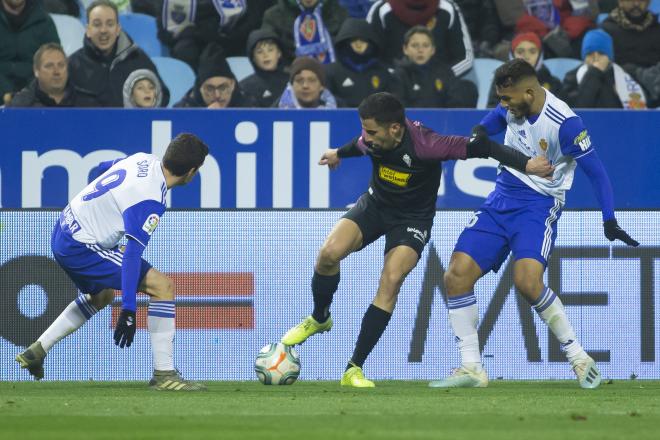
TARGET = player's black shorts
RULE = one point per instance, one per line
(375, 220)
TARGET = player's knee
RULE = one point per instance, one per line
(456, 280)
(329, 255)
(526, 284)
(392, 278)
(102, 299)
(165, 290)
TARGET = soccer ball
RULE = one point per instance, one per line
(277, 364)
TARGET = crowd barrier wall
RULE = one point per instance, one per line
(243, 278)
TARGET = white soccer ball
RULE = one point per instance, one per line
(277, 364)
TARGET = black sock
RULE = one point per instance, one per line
(323, 288)
(373, 325)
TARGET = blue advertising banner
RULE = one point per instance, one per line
(268, 158)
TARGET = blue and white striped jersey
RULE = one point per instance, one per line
(557, 133)
(128, 198)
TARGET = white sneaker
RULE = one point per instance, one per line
(587, 372)
(462, 378)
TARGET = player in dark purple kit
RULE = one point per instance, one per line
(399, 204)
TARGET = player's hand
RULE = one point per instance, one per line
(330, 159)
(614, 232)
(540, 166)
(125, 328)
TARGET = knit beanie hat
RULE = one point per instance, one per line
(212, 62)
(307, 63)
(597, 40)
(526, 36)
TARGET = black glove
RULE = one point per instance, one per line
(613, 232)
(125, 329)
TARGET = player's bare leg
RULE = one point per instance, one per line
(399, 261)
(344, 238)
(161, 325)
(528, 279)
(71, 319)
(460, 278)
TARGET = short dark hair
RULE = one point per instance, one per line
(185, 152)
(36, 59)
(512, 72)
(106, 3)
(418, 29)
(383, 107)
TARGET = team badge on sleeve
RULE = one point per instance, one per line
(151, 223)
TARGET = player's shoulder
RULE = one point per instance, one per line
(141, 158)
(144, 180)
(556, 110)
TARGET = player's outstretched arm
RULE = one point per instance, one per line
(480, 145)
(594, 169)
(130, 274)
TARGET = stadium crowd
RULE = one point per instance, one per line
(328, 53)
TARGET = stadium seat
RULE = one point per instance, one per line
(241, 67)
(558, 67)
(143, 30)
(482, 74)
(177, 75)
(601, 17)
(654, 7)
(71, 32)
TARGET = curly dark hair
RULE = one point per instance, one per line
(511, 72)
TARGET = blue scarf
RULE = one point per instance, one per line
(288, 99)
(178, 15)
(311, 36)
(230, 11)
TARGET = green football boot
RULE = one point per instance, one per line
(33, 359)
(308, 327)
(354, 377)
(172, 381)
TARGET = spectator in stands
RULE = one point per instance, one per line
(216, 86)
(358, 72)
(188, 26)
(427, 81)
(393, 19)
(142, 90)
(600, 82)
(269, 79)
(357, 8)
(24, 27)
(51, 86)
(560, 23)
(528, 47)
(483, 25)
(108, 56)
(636, 34)
(65, 7)
(649, 79)
(306, 87)
(306, 27)
(237, 20)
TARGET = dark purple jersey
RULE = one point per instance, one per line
(407, 178)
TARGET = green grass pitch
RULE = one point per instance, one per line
(324, 410)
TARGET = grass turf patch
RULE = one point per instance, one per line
(324, 410)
